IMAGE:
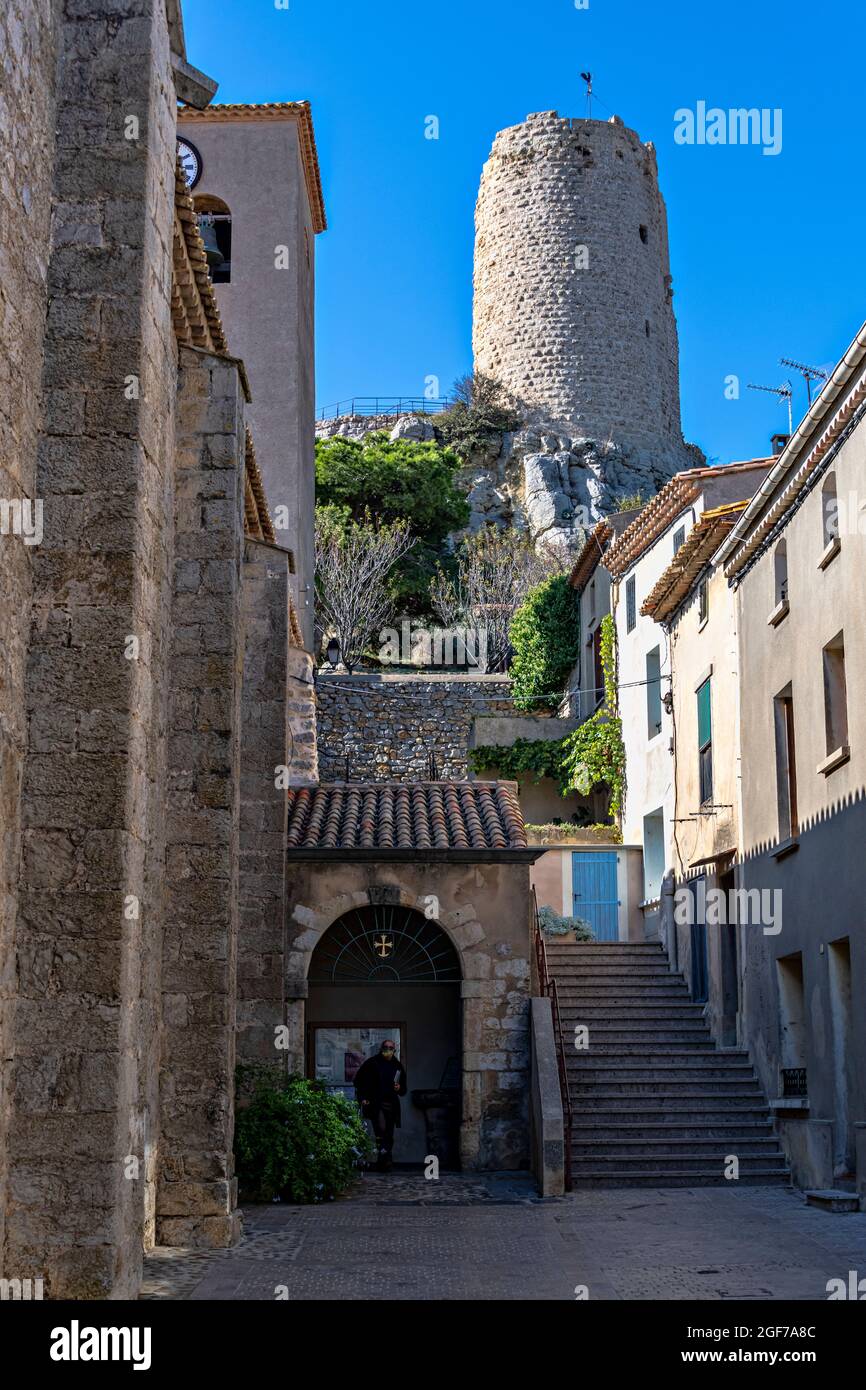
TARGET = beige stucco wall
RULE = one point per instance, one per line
(823, 882)
(484, 908)
(255, 168)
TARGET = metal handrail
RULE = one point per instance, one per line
(384, 405)
(547, 986)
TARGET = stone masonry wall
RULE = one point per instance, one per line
(82, 1081)
(27, 55)
(196, 1189)
(389, 725)
(592, 347)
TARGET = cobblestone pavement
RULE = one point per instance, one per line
(479, 1237)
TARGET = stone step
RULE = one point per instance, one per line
(625, 997)
(586, 1088)
(603, 948)
(833, 1199)
(663, 1063)
(615, 979)
(608, 1127)
(605, 1025)
(666, 1044)
(677, 1147)
(683, 1164)
(639, 1111)
(662, 1178)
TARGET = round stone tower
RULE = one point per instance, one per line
(572, 307)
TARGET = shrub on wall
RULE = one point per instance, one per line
(295, 1140)
(545, 638)
(595, 752)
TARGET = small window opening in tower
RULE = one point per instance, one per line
(215, 225)
(644, 235)
(646, 327)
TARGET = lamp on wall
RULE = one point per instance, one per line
(333, 653)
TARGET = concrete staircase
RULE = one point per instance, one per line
(655, 1103)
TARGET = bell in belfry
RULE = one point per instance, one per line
(207, 227)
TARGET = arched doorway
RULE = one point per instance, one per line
(380, 971)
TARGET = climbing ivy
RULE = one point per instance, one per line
(545, 637)
(595, 751)
(525, 756)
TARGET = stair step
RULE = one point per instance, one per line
(641, 1059)
(644, 1117)
(833, 1199)
(759, 1177)
(609, 1126)
(685, 1148)
(674, 1162)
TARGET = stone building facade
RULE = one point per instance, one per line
(141, 719)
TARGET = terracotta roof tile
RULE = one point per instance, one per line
(406, 815)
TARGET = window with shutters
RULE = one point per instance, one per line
(630, 605)
(705, 742)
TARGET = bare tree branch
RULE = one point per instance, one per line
(353, 562)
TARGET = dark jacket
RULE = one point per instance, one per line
(374, 1083)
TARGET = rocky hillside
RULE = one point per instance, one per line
(553, 485)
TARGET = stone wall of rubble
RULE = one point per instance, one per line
(388, 726)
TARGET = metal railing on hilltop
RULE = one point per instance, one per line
(547, 986)
(383, 405)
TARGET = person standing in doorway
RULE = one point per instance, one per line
(379, 1084)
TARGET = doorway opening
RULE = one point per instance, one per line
(388, 971)
(839, 968)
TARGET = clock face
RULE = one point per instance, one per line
(190, 161)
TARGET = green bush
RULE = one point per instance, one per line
(482, 412)
(545, 638)
(295, 1140)
(400, 480)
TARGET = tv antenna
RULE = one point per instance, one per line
(785, 392)
(809, 374)
(587, 77)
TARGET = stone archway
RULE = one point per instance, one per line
(380, 969)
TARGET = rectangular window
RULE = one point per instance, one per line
(653, 693)
(835, 695)
(630, 605)
(703, 602)
(679, 537)
(598, 669)
(705, 742)
(786, 764)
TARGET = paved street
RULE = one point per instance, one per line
(490, 1237)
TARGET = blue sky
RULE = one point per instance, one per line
(766, 251)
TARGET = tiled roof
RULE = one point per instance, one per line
(595, 544)
(257, 519)
(275, 111)
(443, 816)
(690, 560)
(194, 311)
(654, 519)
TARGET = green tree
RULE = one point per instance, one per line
(545, 638)
(403, 480)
